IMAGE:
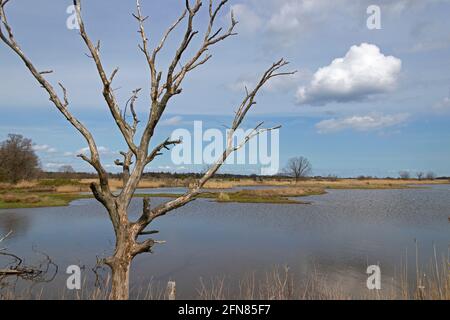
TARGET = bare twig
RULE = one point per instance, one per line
(38, 273)
(6, 236)
(248, 102)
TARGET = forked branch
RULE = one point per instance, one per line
(108, 92)
(161, 94)
(165, 145)
(149, 214)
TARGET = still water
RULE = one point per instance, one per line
(338, 235)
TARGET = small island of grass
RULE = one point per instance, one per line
(61, 192)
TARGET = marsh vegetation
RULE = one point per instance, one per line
(60, 192)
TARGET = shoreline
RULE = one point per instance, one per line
(33, 197)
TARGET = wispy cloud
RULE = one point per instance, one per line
(275, 85)
(44, 148)
(442, 106)
(54, 165)
(361, 123)
(101, 149)
(173, 121)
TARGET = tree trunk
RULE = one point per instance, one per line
(120, 280)
(120, 265)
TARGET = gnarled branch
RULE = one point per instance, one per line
(9, 39)
(150, 214)
(108, 92)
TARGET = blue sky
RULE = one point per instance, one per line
(364, 101)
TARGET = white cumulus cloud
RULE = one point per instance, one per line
(369, 122)
(364, 71)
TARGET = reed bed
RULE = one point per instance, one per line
(430, 283)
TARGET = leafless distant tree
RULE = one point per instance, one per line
(163, 87)
(405, 175)
(420, 175)
(430, 175)
(18, 159)
(298, 168)
(66, 169)
(332, 177)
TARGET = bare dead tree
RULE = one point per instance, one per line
(431, 175)
(163, 87)
(420, 175)
(298, 168)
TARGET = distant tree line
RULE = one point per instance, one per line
(19, 162)
(420, 175)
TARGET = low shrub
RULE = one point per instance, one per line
(223, 196)
(58, 182)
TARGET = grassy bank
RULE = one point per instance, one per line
(36, 200)
(273, 196)
(280, 195)
(60, 192)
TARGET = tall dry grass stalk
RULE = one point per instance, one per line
(431, 283)
(101, 291)
(279, 284)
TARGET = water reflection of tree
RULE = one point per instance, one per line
(18, 223)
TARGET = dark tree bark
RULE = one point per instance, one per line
(139, 154)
